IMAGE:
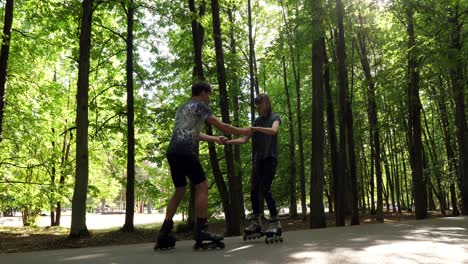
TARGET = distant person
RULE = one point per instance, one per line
(265, 158)
(182, 156)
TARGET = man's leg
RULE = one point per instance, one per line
(174, 202)
(201, 199)
(201, 206)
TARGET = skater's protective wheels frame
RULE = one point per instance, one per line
(270, 240)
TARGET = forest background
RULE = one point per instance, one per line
(372, 96)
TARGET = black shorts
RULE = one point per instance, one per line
(185, 165)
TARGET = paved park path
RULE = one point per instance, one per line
(440, 241)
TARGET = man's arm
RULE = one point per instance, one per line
(268, 130)
(216, 139)
(227, 128)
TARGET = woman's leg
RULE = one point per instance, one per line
(269, 170)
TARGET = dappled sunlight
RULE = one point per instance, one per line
(438, 234)
(315, 256)
(87, 257)
(359, 239)
(426, 252)
(240, 248)
(310, 244)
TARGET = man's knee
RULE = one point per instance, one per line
(180, 192)
(202, 187)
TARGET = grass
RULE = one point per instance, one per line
(23, 239)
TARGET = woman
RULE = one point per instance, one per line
(265, 155)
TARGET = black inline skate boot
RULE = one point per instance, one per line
(166, 238)
(254, 229)
(273, 232)
(201, 234)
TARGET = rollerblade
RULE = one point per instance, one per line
(215, 240)
(166, 239)
(273, 232)
(254, 229)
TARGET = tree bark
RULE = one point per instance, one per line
(235, 92)
(130, 190)
(317, 212)
(78, 221)
(292, 146)
(448, 149)
(234, 191)
(331, 130)
(414, 121)
(297, 82)
(4, 54)
(343, 100)
(459, 88)
(372, 116)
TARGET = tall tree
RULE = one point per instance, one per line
(343, 102)
(297, 81)
(4, 54)
(198, 33)
(459, 88)
(331, 124)
(317, 212)
(414, 120)
(235, 92)
(78, 220)
(130, 190)
(234, 191)
(292, 152)
(373, 120)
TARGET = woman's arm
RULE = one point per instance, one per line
(268, 130)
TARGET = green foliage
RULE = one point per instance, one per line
(38, 146)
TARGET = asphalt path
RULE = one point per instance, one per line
(443, 240)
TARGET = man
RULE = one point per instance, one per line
(182, 155)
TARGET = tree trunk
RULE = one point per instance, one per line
(431, 148)
(448, 149)
(458, 84)
(396, 172)
(292, 152)
(297, 82)
(331, 130)
(235, 92)
(220, 184)
(4, 54)
(343, 115)
(130, 190)
(65, 154)
(372, 116)
(317, 214)
(234, 191)
(414, 122)
(52, 182)
(78, 221)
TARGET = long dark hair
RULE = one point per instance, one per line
(266, 108)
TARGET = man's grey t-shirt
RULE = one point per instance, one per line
(265, 146)
(189, 121)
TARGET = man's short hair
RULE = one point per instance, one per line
(199, 87)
